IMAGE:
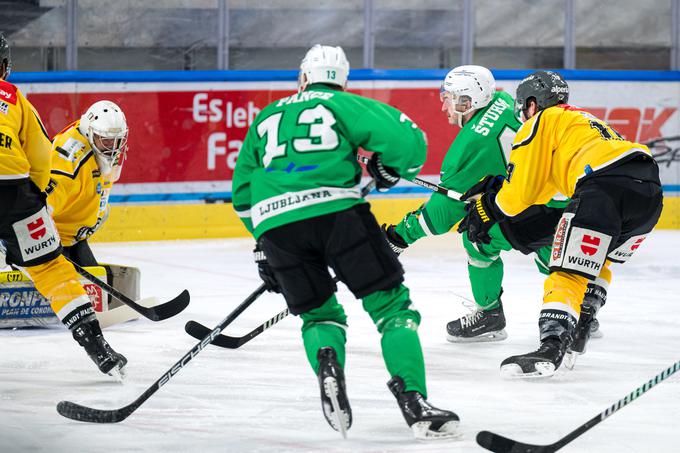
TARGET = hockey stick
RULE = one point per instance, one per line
(88, 414)
(157, 313)
(500, 444)
(198, 330)
(421, 182)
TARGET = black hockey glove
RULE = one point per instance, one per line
(394, 240)
(481, 216)
(489, 183)
(384, 177)
(266, 273)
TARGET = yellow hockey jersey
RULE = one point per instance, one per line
(553, 151)
(78, 192)
(25, 149)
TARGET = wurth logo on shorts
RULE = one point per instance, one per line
(36, 235)
(37, 229)
(626, 250)
(585, 251)
(589, 245)
(636, 244)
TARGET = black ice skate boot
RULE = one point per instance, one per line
(542, 362)
(587, 326)
(478, 326)
(334, 402)
(89, 335)
(426, 421)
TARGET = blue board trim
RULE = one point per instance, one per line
(291, 75)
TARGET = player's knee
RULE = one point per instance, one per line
(392, 308)
(565, 288)
(329, 312)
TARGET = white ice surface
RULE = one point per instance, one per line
(264, 397)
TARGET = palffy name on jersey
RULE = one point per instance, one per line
(304, 97)
(490, 117)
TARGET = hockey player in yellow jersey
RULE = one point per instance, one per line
(87, 159)
(28, 236)
(616, 201)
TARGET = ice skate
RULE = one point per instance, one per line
(478, 326)
(334, 402)
(426, 421)
(88, 334)
(537, 364)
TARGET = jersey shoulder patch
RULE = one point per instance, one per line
(8, 92)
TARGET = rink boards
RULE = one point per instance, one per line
(186, 129)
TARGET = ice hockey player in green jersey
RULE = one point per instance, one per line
(488, 125)
(296, 186)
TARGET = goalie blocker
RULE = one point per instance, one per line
(21, 305)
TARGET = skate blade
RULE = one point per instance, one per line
(487, 337)
(514, 371)
(118, 373)
(570, 359)
(422, 431)
(597, 334)
(339, 420)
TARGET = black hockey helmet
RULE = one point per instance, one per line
(548, 88)
(5, 58)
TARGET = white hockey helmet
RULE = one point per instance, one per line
(468, 83)
(324, 64)
(105, 128)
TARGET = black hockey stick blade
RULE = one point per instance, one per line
(89, 414)
(157, 313)
(499, 444)
(198, 330)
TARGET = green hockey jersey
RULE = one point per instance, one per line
(481, 148)
(299, 157)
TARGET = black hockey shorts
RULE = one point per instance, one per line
(610, 215)
(532, 229)
(349, 241)
(26, 227)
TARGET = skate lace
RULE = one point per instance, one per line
(471, 318)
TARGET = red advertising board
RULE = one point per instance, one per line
(194, 133)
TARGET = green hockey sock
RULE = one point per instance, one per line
(324, 326)
(397, 321)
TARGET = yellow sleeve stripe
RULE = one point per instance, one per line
(78, 167)
(532, 134)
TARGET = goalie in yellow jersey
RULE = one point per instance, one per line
(87, 159)
(616, 201)
(28, 236)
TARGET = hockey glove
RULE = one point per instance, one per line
(481, 216)
(489, 183)
(394, 240)
(265, 271)
(384, 177)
